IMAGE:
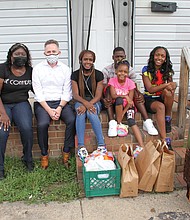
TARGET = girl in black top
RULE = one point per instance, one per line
(87, 86)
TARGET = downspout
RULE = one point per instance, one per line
(89, 25)
(114, 22)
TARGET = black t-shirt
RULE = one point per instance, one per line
(98, 77)
(15, 88)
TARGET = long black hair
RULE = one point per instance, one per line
(16, 47)
(166, 68)
(81, 81)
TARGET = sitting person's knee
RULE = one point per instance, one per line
(161, 107)
(131, 117)
(119, 101)
(131, 122)
(42, 125)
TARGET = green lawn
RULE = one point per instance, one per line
(54, 184)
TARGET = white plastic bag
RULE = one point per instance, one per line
(98, 163)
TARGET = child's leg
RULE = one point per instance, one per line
(168, 101)
(119, 109)
(134, 127)
(159, 109)
(137, 134)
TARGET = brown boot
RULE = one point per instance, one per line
(66, 159)
(44, 162)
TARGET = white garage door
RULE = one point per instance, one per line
(32, 22)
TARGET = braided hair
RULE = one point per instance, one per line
(81, 79)
(124, 62)
(166, 68)
(12, 50)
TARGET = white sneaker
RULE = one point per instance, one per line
(82, 153)
(149, 127)
(112, 130)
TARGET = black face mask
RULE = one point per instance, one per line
(19, 61)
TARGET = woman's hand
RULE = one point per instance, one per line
(81, 110)
(90, 107)
(171, 87)
(5, 122)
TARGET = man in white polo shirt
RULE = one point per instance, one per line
(52, 87)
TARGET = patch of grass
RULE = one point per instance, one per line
(54, 184)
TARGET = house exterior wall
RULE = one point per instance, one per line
(32, 22)
(171, 30)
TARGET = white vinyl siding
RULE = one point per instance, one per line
(33, 22)
(171, 30)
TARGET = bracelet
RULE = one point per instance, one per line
(61, 106)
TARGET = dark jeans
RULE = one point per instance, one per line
(21, 115)
(43, 122)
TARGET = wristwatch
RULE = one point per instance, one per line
(61, 106)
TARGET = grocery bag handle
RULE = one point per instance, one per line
(158, 144)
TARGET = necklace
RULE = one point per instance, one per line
(83, 76)
(86, 82)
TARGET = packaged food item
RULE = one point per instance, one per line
(137, 150)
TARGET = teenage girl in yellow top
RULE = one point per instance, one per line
(159, 89)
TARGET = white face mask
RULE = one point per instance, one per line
(52, 59)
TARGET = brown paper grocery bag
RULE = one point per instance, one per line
(148, 164)
(129, 176)
(165, 179)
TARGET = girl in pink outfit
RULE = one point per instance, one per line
(122, 92)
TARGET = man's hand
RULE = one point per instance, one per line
(138, 96)
(107, 102)
(53, 114)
